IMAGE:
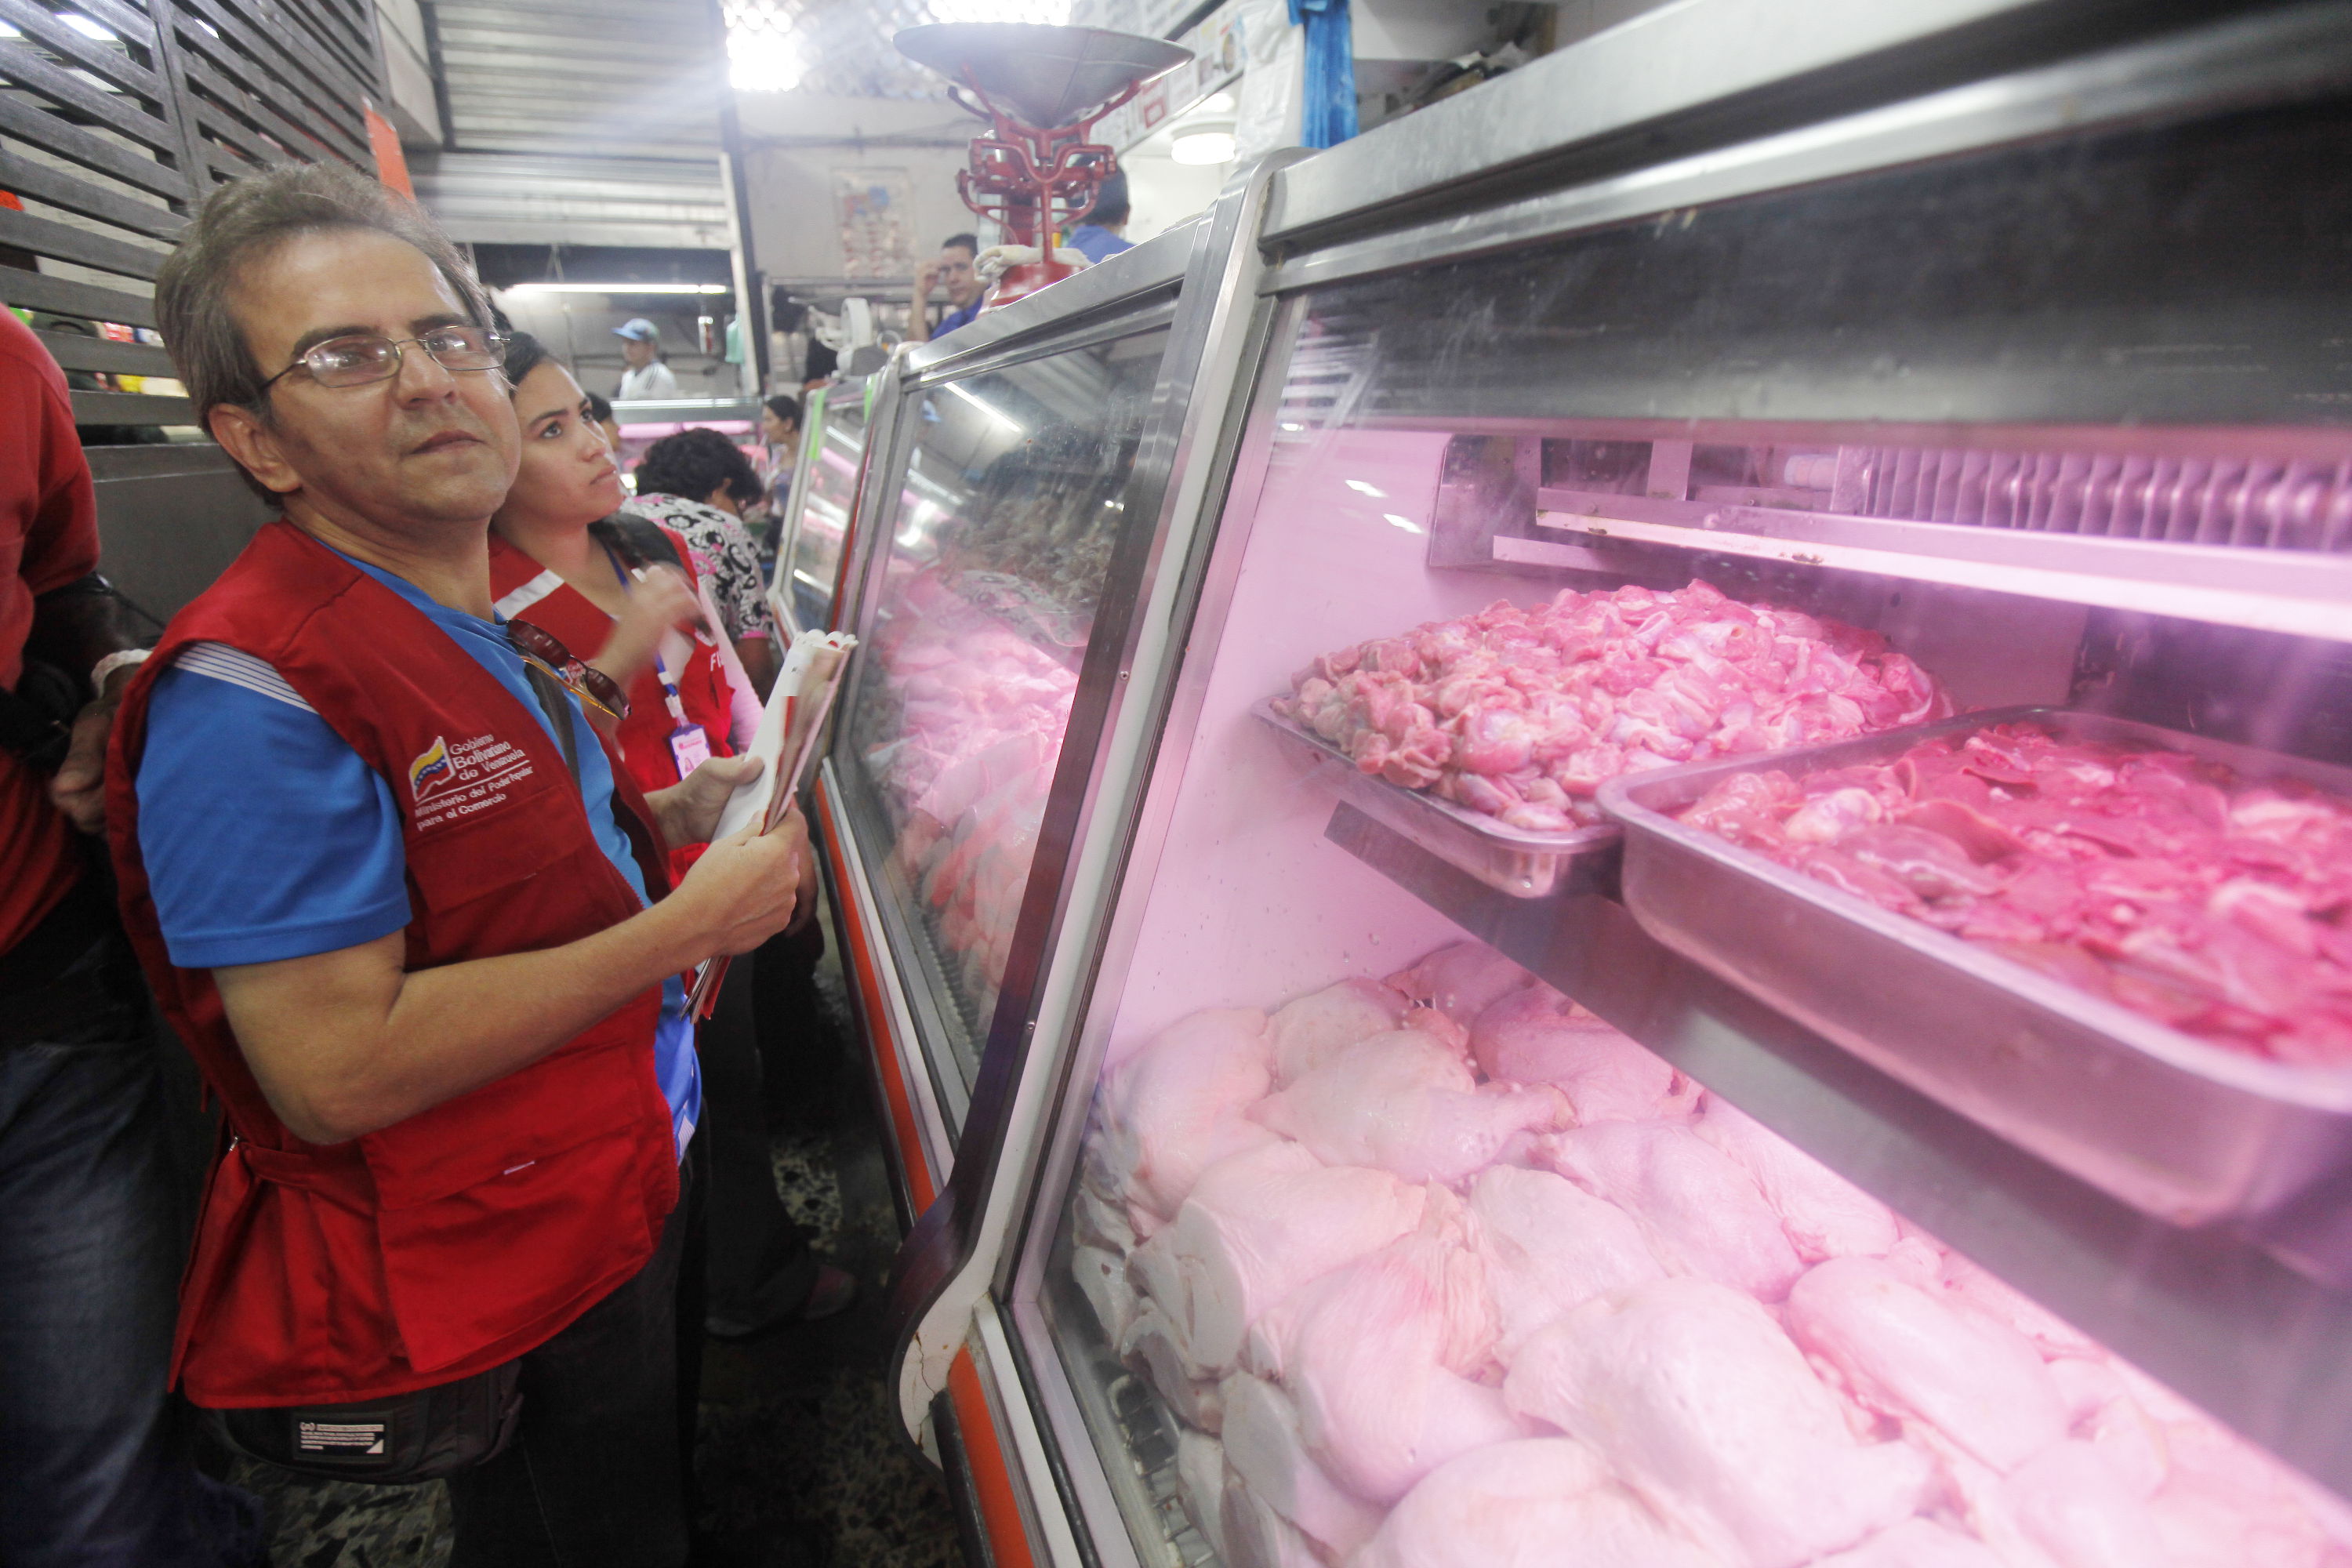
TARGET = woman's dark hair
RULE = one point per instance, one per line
(600, 407)
(787, 409)
(525, 353)
(693, 463)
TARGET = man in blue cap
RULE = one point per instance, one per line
(646, 375)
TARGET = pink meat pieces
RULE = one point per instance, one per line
(1256, 1227)
(1550, 1247)
(1461, 980)
(2221, 906)
(1178, 1106)
(1902, 1353)
(1406, 1103)
(1521, 714)
(1701, 1404)
(1536, 1036)
(1824, 1214)
(1376, 1358)
(1700, 1213)
(1266, 1449)
(1308, 1032)
(1540, 1502)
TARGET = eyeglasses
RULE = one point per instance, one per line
(365, 357)
(586, 682)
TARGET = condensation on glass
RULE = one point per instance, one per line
(1001, 539)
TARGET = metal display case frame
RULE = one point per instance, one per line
(2222, 1316)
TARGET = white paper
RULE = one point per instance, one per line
(748, 803)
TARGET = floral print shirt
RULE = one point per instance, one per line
(724, 556)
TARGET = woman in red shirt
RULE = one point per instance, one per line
(561, 560)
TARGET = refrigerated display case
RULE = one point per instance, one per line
(1712, 938)
(821, 503)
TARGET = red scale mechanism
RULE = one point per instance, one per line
(1041, 89)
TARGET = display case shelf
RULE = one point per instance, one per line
(2298, 592)
(2250, 1326)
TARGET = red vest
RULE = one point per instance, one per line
(473, 1231)
(573, 619)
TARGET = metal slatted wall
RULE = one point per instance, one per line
(116, 117)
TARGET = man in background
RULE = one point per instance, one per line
(952, 270)
(645, 376)
(1102, 233)
(780, 431)
(93, 1467)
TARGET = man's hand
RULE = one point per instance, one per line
(745, 889)
(79, 787)
(927, 277)
(688, 810)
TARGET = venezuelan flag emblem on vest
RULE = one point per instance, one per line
(430, 768)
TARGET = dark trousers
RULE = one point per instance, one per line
(94, 1465)
(597, 1474)
(760, 1266)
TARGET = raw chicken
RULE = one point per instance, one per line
(1904, 1352)
(1153, 1347)
(1915, 1543)
(1308, 1032)
(1701, 1404)
(1540, 1502)
(1404, 1101)
(1265, 1448)
(1376, 1354)
(1521, 714)
(2103, 1413)
(1983, 1291)
(1461, 980)
(1550, 1247)
(2064, 1506)
(2207, 900)
(1824, 1214)
(1201, 1484)
(1256, 1536)
(1537, 1035)
(1102, 1278)
(1256, 1227)
(1177, 1106)
(1700, 1213)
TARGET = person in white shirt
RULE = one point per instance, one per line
(646, 375)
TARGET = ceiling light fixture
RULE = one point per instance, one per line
(619, 287)
(1203, 147)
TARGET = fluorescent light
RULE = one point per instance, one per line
(1216, 103)
(1203, 147)
(1360, 488)
(8, 30)
(987, 407)
(619, 289)
(87, 28)
(1404, 522)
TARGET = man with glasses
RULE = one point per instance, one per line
(392, 886)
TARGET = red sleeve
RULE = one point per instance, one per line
(48, 513)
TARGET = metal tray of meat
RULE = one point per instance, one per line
(1508, 859)
(2187, 1131)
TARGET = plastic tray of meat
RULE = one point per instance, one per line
(1509, 860)
(2188, 1131)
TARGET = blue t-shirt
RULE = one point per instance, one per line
(1096, 243)
(294, 848)
(955, 319)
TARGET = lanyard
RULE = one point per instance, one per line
(668, 682)
(689, 744)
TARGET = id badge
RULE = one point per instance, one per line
(691, 747)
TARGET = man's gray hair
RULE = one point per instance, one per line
(241, 224)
